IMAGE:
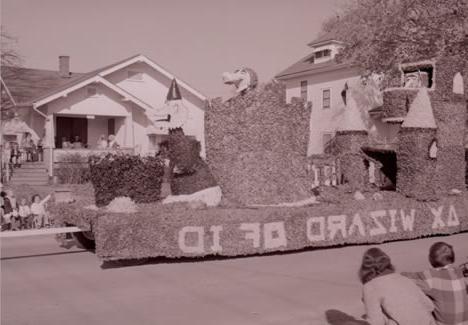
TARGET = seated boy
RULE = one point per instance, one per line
(445, 285)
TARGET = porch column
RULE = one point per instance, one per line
(128, 132)
(49, 143)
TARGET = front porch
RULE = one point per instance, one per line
(76, 137)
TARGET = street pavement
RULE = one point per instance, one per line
(43, 283)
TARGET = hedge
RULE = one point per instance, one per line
(175, 231)
(117, 175)
(72, 169)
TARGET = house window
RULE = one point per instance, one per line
(134, 75)
(326, 98)
(304, 90)
(326, 140)
(92, 91)
(322, 54)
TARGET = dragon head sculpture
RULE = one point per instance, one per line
(243, 79)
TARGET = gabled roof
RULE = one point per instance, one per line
(25, 84)
(323, 39)
(141, 58)
(34, 86)
(87, 81)
(306, 66)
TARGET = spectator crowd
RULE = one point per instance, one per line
(20, 214)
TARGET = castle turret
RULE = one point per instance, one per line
(351, 136)
(417, 152)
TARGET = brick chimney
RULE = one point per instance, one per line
(64, 66)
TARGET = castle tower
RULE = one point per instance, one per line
(351, 135)
(417, 152)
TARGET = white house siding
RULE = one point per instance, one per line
(140, 125)
(321, 120)
(152, 89)
(105, 104)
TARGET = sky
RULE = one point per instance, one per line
(196, 40)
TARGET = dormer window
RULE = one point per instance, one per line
(323, 54)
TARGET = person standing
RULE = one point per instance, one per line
(102, 142)
(113, 142)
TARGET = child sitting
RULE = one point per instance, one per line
(25, 214)
(15, 219)
(390, 298)
(9, 206)
(445, 285)
(40, 215)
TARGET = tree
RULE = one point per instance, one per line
(9, 61)
(380, 33)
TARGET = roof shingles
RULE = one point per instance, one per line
(27, 84)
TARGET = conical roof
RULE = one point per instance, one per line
(174, 91)
(420, 114)
(351, 119)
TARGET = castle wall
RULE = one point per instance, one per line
(256, 146)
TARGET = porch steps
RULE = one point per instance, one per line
(30, 173)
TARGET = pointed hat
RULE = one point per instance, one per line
(174, 91)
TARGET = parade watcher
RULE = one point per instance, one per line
(38, 211)
(389, 297)
(77, 144)
(65, 143)
(27, 144)
(2, 206)
(25, 214)
(113, 142)
(445, 285)
(15, 219)
(5, 161)
(40, 150)
(9, 206)
(102, 142)
(15, 155)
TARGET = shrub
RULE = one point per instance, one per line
(73, 169)
(117, 175)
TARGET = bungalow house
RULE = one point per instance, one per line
(127, 99)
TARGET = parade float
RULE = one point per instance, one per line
(258, 193)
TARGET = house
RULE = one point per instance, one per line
(319, 79)
(129, 99)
